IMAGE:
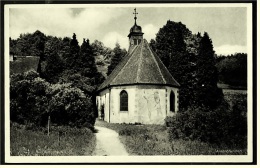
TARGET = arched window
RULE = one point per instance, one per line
(172, 101)
(123, 101)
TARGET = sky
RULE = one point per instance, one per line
(226, 26)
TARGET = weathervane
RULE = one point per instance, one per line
(135, 15)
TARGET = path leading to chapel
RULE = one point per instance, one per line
(108, 143)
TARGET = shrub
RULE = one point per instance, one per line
(32, 100)
(27, 98)
(169, 121)
(237, 99)
(77, 80)
(70, 106)
(224, 125)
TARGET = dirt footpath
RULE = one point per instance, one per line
(108, 143)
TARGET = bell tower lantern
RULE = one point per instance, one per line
(136, 34)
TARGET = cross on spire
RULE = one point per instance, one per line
(135, 15)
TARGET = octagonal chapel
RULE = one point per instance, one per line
(140, 89)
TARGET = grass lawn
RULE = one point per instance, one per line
(153, 140)
(62, 141)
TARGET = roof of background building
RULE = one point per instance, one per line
(140, 66)
(21, 64)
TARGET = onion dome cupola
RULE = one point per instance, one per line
(136, 34)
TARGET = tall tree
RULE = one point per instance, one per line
(98, 48)
(37, 46)
(170, 46)
(24, 45)
(170, 40)
(190, 59)
(207, 92)
(64, 51)
(31, 44)
(53, 65)
(117, 57)
(71, 60)
(83, 74)
(87, 60)
(39, 40)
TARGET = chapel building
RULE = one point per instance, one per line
(140, 89)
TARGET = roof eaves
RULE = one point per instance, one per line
(131, 84)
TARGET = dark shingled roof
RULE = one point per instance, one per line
(140, 66)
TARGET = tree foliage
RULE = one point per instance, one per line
(79, 81)
(64, 51)
(88, 66)
(70, 106)
(13, 48)
(53, 65)
(116, 58)
(190, 59)
(28, 98)
(39, 40)
(207, 93)
(232, 69)
(33, 100)
(98, 48)
(28, 44)
(73, 59)
(65, 91)
(170, 40)
(225, 125)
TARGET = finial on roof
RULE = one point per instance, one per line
(135, 15)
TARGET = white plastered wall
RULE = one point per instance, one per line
(118, 116)
(151, 107)
(103, 99)
(147, 104)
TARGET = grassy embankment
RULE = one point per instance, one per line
(153, 139)
(62, 141)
